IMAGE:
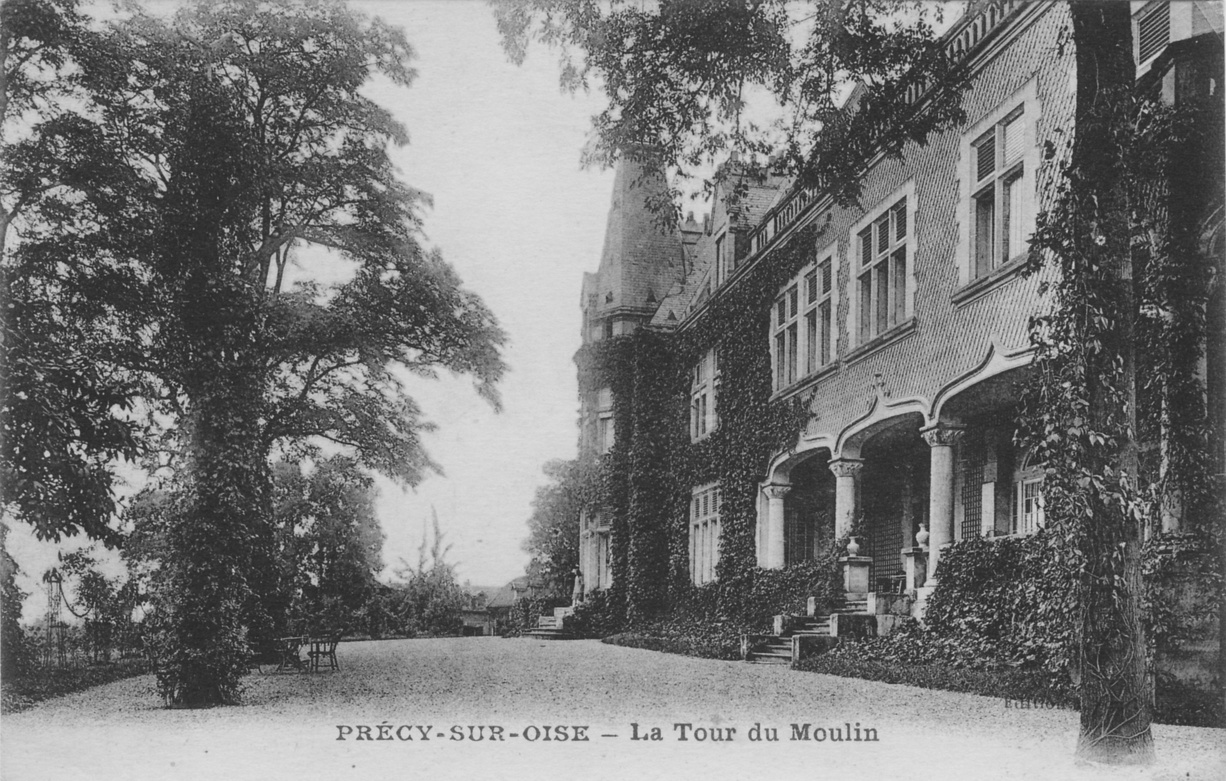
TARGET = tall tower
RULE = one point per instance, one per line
(639, 263)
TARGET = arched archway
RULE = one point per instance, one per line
(808, 517)
(894, 497)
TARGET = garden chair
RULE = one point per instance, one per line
(325, 648)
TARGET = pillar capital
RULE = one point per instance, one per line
(846, 467)
(776, 490)
(943, 435)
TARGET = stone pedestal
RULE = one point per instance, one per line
(921, 602)
(915, 561)
(855, 626)
(855, 574)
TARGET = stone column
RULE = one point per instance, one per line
(846, 474)
(774, 524)
(941, 438)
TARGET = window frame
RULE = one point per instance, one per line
(785, 336)
(995, 188)
(706, 505)
(811, 355)
(606, 431)
(1023, 106)
(899, 281)
(704, 395)
(1025, 480)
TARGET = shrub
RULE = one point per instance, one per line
(599, 615)
(850, 660)
(1002, 601)
(753, 599)
(684, 636)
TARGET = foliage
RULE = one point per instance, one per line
(428, 597)
(1119, 240)
(164, 189)
(14, 646)
(24, 691)
(595, 616)
(1184, 589)
(1030, 689)
(679, 635)
(646, 480)
(329, 541)
(680, 79)
(1004, 602)
(106, 605)
(553, 528)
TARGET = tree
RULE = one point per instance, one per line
(553, 528)
(235, 134)
(1117, 363)
(430, 598)
(676, 78)
(63, 418)
(681, 77)
(331, 542)
(14, 646)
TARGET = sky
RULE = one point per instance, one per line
(497, 146)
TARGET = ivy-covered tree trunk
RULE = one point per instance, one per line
(1107, 522)
(224, 514)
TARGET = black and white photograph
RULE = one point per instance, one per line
(612, 389)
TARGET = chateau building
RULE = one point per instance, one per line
(901, 333)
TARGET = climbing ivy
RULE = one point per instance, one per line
(648, 475)
(1115, 365)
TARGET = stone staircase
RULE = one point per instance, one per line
(552, 627)
(796, 637)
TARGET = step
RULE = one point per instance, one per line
(549, 634)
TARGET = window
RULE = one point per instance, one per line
(802, 324)
(999, 201)
(703, 386)
(1027, 505)
(604, 420)
(1153, 31)
(819, 315)
(882, 275)
(722, 265)
(704, 534)
(999, 159)
(786, 335)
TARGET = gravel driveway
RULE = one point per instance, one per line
(546, 697)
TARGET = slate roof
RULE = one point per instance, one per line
(639, 262)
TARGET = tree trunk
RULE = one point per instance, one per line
(1116, 693)
(222, 521)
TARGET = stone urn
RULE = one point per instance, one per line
(921, 536)
(853, 546)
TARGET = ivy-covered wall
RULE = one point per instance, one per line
(648, 475)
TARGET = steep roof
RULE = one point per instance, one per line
(754, 198)
(639, 262)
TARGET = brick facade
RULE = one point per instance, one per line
(910, 428)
